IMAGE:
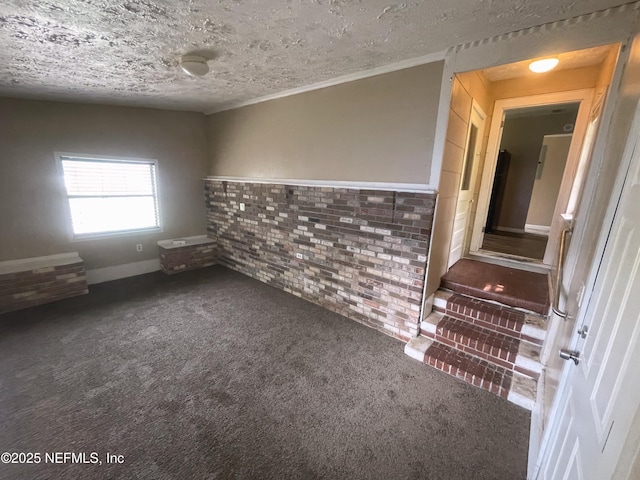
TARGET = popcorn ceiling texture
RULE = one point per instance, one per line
(360, 253)
(127, 52)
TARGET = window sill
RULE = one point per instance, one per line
(104, 236)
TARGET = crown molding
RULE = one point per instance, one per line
(352, 77)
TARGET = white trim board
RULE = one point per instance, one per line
(116, 272)
(386, 186)
(537, 229)
(351, 77)
(558, 135)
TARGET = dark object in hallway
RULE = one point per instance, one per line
(209, 374)
(497, 191)
(516, 288)
(525, 245)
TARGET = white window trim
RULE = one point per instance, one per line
(73, 237)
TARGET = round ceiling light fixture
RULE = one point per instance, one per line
(543, 65)
(194, 65)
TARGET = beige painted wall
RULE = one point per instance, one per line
(379, 128)
(546, 188)
(32, 209)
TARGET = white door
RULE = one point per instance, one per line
(465, 194)
(602, 392)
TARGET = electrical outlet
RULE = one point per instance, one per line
(138, 247)
(242, 207)
(299, 255)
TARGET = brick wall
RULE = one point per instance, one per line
(361, 253)
(22, 288)
(175, 259)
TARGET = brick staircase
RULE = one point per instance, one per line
(484, 343)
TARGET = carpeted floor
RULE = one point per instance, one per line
(212, 375)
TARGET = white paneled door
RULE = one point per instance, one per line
(465, 194)
(602, 392)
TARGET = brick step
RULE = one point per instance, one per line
(510, 385)
(499, 318)
(474, 340)
(508, 286)
(502, 350)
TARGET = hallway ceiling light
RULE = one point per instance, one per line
(544, 65)
(194, 65)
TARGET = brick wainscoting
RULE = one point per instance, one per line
(361, 253)
(34, 281)
(182, 254)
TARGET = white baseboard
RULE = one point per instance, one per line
(509, 229)
(537, 229)
(106, 274)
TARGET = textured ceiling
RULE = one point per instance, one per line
(126, 52)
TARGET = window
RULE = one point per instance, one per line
(471, 153)
(110, 196)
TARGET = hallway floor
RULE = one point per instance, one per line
(521, 244)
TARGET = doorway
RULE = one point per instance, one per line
(596, 69)
(511, 222)
(533, 152)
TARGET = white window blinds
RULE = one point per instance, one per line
(110, 196)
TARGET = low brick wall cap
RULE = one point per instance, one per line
(34, 263)
(185, 241)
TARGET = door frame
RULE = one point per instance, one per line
(584, 96)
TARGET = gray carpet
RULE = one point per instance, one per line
(212, 375)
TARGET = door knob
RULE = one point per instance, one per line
(570, 355)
